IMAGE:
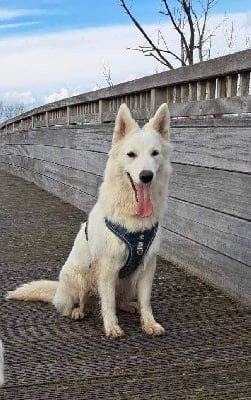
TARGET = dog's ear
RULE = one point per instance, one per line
(124, 123)
(161, 121)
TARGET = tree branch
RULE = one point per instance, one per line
(176, 26)
(136, 23)
(171, 52)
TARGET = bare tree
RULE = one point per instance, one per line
(107, 75)
(229, 33)
(189, 19)
(8, 111)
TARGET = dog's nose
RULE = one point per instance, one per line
(146, 176)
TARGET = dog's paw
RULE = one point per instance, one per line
(114, 331)
(131, 307)
(153, 328)
(77, 313)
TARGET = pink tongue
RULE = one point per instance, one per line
(144, 204)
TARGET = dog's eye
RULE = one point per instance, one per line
(131, 154)
(155, 153)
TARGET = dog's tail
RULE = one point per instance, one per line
(34, 291)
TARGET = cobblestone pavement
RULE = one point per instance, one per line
(205, 353)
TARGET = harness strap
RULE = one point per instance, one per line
(138, 244)
(86, 230)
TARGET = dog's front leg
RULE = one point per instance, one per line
(107, 278)
(149, 325)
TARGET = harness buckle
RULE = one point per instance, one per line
(140, 248)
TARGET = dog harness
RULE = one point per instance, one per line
(138, 244)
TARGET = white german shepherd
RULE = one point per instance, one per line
(131, 200)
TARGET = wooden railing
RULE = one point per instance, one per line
(213, 88)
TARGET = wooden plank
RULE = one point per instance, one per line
(210, 228)
(244, 83)
(228, 192)
(232, 81)
(79, 180)
(88, 138)
(230, 121)
(83, 160)
(108, 128)
(219, 106)
(223, 148)
(79, 199)
(223, 271)
(211, 88)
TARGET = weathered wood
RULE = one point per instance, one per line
(225, 272)
(79, 180)
(232, 81)
(222, 66)
(209, 147)
(244, 83)
(220, 106)
(211, 87)
(223, 148)
(227, 192)
(230, 121)
(87, 138)
(210, 228)
(224, 191)
(77, 198)
(79, 159)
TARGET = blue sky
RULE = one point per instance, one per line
(52, 49)
(29, 16)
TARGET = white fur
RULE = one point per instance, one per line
(93, 266)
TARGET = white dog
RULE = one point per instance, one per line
(114, 253)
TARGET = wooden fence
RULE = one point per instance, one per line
(63, 146)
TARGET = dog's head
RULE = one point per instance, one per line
(142, 153)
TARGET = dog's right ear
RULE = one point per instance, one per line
(124, 123)
(161, 121)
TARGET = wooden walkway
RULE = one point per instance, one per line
(205, 353)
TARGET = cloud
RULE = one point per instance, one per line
(25, 97)
(69, 62)
(62, 94)
(17, 25)
(8, 14)
(46, 63)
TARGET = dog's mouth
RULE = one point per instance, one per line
(142, 196)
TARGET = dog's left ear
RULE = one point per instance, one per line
(161, 121)
(124, 123)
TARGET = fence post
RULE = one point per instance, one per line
(153, 101)
(68, 115)
(100, 110)
(46, 119)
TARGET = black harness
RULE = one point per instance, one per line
(138, 244)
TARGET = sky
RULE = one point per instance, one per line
(51, 49)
